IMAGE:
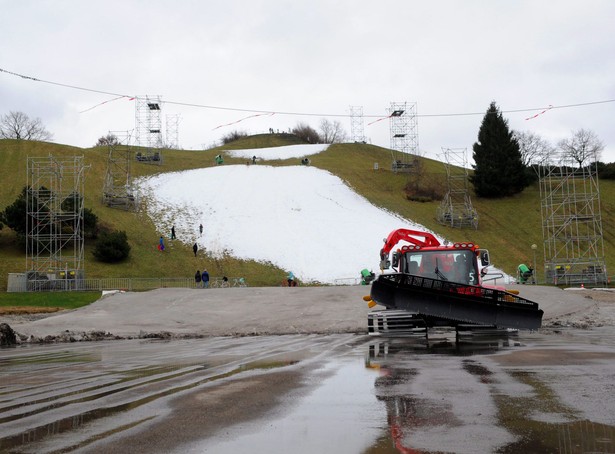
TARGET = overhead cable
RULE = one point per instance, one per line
(271, 112)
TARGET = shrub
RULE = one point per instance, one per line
(233, 136)
(425, 192)
(109, 139)
(606, 171)
(112, 247)
(306, 133)
(90, 224)
(14, 215)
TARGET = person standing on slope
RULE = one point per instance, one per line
(195, 248)
(161, 244)
(205, 279)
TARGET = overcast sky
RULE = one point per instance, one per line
(315, 58)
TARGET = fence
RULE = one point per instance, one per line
(18, 283)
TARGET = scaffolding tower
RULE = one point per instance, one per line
(172, 129)
(404, 136)
(357, 131)
(571, 221)
(54, 221)
(118, 191)
(456, 209)
(148, 127)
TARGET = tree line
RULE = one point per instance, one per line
(328, 132)
(505, 161)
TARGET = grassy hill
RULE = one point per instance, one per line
(507, 227)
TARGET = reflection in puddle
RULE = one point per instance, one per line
(52, 391)
(452, 397)
(385, 349)
(340, 416)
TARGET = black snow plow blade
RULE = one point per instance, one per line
(455, 303)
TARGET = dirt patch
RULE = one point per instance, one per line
(28, 310)
(605, 296)
(551, 357)
(600, 311)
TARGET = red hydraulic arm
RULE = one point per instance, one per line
(414, 237)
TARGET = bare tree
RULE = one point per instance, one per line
(583, 145)
(332, 131)
(307, 133)
(534, 149)
(233, 136)
(17, 125)
(109, 139)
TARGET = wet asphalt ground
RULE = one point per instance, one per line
(337, 391)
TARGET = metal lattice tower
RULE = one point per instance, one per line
(571, 222)
(148, 127)
(456, 209)
(404, 135)
(172, 131)
(118, 191)
(357, 131)
(54, 219)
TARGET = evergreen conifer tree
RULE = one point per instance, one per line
(498, 166)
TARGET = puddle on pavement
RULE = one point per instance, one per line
(525, 410)
(29, 400)
(369, 395)
(341, 415)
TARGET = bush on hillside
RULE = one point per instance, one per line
(233, 136)
(307, 133)
(108, 140)
(112, 247)
(426, 192)
(14, 215)
(606, 171)
(90, 224)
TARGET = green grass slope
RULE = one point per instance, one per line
(507, 227)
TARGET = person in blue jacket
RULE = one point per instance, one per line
(291, 279)
(205, 279)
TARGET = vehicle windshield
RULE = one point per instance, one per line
(451, 265)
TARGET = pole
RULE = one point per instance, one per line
(534, 247)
